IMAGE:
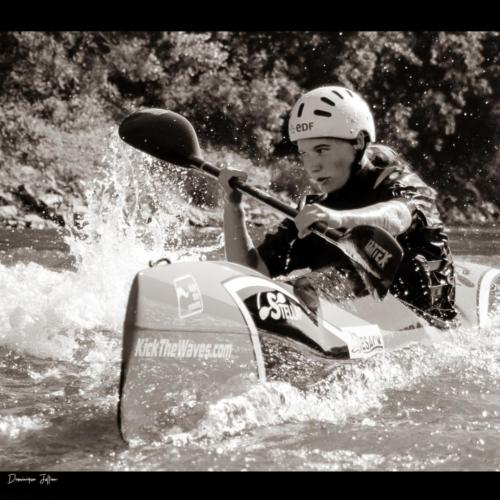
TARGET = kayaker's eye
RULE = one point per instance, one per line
(321, 149)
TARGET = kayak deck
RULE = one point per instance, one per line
(198, 331)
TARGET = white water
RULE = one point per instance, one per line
(43, 311)
(422, 407)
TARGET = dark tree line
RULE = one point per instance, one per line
(435, 95)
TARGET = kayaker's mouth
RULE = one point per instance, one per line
(321, 180)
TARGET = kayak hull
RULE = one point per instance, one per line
(199, 331)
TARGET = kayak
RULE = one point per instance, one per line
(195, 332)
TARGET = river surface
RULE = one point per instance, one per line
(62, 304)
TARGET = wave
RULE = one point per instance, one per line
(134, 216)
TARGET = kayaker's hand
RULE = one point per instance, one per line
(226, 175)
(316, 213)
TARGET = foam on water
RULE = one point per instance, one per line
(468, 357)
(423, 407)
(134, 216)
(13, 427)
(137, 213)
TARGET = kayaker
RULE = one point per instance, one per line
(359, 182)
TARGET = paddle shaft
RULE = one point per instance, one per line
(318, 228)
(168, 136)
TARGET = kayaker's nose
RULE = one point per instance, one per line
(314, 168)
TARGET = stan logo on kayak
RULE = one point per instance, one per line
(378, 253)
(276, 306)
(189, 298)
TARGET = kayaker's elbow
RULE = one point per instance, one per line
(251, 259)
(255, 262)
(399, 218)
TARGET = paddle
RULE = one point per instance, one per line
(170, 137)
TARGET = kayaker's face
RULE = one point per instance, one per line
(327, 161)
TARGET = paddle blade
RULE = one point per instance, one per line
(163, 134)
(379, 250)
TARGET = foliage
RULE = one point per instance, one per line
(435, 95)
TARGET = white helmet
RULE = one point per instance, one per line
(330, 112)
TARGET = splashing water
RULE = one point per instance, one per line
(134, 216)
(424, 407)
(60, 330)
(352, 388)
(443, 400)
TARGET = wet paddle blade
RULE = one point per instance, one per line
(163, 134)
(375, 251)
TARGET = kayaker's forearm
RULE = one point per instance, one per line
(238, 244)
(237, 240)
(393, 216)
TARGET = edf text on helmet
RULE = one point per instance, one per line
(304, 127)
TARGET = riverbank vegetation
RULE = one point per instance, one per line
(435, 97)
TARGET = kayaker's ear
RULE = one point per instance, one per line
(360, 142)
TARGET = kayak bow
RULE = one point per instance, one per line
(199, 331)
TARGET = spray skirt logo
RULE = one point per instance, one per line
(189, 297)
(275, 305)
